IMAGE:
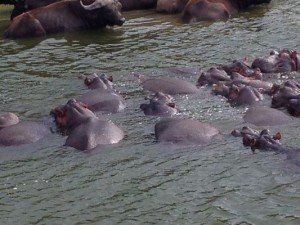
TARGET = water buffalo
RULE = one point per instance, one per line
(86, 130)
(64, 16)
(171, 6)
(212, 10)
(137, 4)
(21, 6)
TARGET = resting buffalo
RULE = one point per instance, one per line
(21, 6)
(212, 10)
(137, 4)
(65, 16)
(171, 6)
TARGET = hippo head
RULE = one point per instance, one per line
(256, 140)
(241, 67)
(71, 115)
(294, 107)
(8, 119)
(276, 62)
(160, 105)
(244, 95)
(285, 92)
(100, 13)
(102, 82)
(212, 76)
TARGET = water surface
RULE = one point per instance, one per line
(140, 181)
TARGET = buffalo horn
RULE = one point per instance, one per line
(96, 4)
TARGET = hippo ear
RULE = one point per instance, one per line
(171, 104)
(110, 78)
(277, 136)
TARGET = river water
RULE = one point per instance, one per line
(140, 181)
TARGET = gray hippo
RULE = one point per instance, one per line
(265, 142)
(14, 132)
(266, 116)
(277, 62)
(160, 105)
(238, 95)
(86, 130)
(8, 119)
(186, 131)
(102, 97)
(167, 85)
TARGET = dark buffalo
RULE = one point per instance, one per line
(212, 10)
(21, 6)
(137, 4)
(65, 16)
(171, 6)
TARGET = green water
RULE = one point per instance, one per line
(140, 181)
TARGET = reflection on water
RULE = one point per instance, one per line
(140, 181)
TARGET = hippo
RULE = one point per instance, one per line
(207, 10)
(213, 76)
(167, 85)
(128, 5)
(244, 95)
(282, 94)
(241, 67)
(278, 62)
(23, 133)
(294, 107)
(265, 142)
(8, 119)
(170, 6)
(266, 116)
(238, 95)
(184, 131)
(102, 96)
(160, 105)
(97, 101)
(86, 130)
(93, 81)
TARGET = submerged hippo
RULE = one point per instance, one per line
(86, 130)
(160, 105)
(265, 142)
(8, 119)
(167, 85)
(23, 133)
(266, 116)
(241, 67)
(277, 62)
(102, 97)
(185, 131)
